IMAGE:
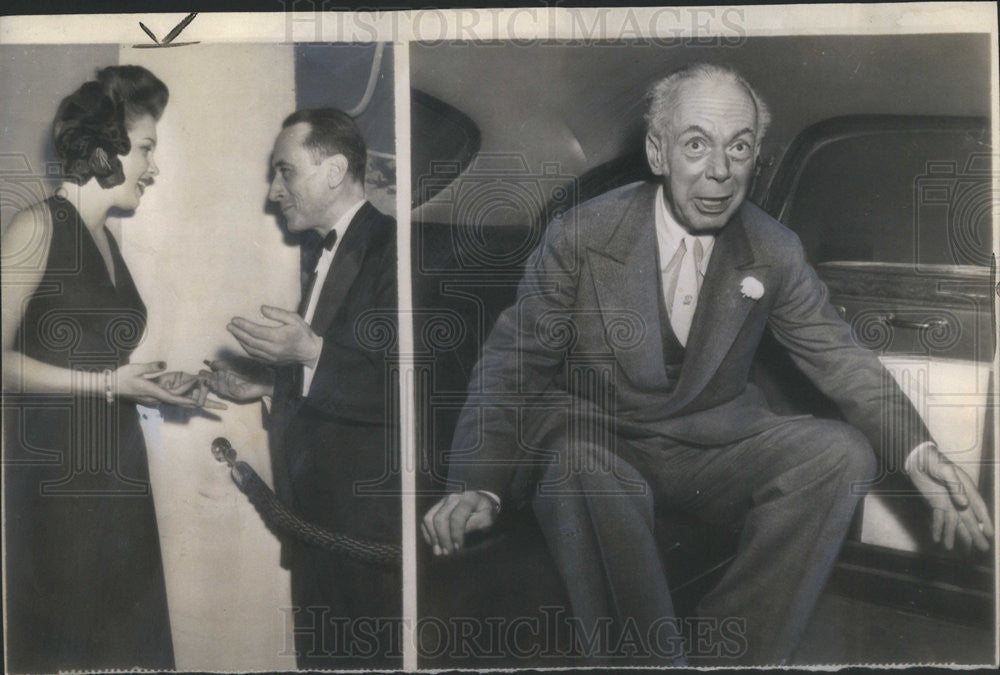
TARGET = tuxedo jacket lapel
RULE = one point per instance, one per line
(344, 268)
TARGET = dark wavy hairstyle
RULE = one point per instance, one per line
(90, 130)
(332, 132)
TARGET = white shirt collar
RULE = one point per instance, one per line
(322, 271)
(342, 223)
(669, 234)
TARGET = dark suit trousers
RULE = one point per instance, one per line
(347, 613)
(793, 488)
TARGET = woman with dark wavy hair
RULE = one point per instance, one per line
(85, 584)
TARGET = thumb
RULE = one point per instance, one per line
(220, 366)
(945, 473)
(480, 520)
(957, 492)
(278, 314)
(483, 515)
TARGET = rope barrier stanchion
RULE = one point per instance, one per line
(280, 518)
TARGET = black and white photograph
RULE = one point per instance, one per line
(195, 236)
(708, 350)
(523, 338)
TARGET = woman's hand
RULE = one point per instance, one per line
(147, 384)
(177, 382)
(194, 387)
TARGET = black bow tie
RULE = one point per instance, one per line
(312, 253)
(329, 240)
(310, 262)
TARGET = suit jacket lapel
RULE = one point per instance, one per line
(720, 314)
(345, 267)
(624, 269)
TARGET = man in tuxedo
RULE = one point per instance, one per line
(330, 425)
(662, 291)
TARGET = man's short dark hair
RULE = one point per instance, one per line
(332, 132)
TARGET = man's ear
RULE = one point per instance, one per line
(656, 155)
(336, 170)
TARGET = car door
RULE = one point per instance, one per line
(895, 213)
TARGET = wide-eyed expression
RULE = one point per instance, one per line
(706, 152)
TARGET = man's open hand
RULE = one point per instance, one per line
(446, 523)
(226, 380)
(957, 506)
(291, 341)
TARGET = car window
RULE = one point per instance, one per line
(917, 192)
(443, 140)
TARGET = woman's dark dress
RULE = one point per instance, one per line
(84, 584)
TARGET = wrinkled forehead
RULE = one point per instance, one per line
(723, 106)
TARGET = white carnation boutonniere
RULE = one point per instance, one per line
(751, 288)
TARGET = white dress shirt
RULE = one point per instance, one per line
(669, 235)
(322, 270)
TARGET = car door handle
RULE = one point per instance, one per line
(929, 324)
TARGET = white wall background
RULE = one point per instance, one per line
(202, 249)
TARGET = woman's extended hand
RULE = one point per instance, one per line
(194, 387)
(177, 382)
(147, 384)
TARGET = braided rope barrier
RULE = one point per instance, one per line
(282, 519)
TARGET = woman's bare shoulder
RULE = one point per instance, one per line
(26, 240)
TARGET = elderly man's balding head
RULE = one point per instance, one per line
(662, 95)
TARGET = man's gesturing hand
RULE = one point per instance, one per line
(446, 523)
(227, 382)
(953, 497)
(291, 341)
